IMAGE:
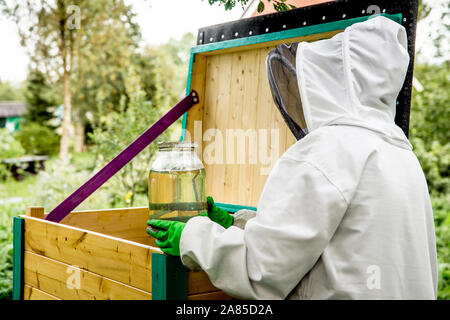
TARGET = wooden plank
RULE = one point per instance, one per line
(31, 293)
(118, 259)
(230, 124)
(126, 223)
(249, 96)
(198, 282)
(263, 122)
(72, 283)
(220, 94)
(216, 295)
(18, 248)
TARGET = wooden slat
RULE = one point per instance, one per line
(121, 260)
(216, 295)
(217, 97)
(59, 279)
(31, 293)
(250, 74)
(127, 223)
(198, 282)
(231, 122)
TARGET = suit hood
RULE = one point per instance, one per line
(355, 77)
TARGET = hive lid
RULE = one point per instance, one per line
(228, 71)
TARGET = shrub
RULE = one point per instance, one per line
(435, 161)
(38, 140)
(441, 210)
(9, 148)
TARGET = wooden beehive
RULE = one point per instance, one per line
(106, 254)
(101, 255)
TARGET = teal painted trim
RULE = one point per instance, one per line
(298, 32)
(183, 127)
(233, 207)
(159, 289)
(169, 278)
(188, 90)
(18, 249)
(292, 33)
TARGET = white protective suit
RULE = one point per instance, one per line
(345, 212)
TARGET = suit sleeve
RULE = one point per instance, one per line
(298, 213)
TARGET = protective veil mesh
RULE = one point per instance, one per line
(281, 68)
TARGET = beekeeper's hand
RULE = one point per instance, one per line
(218, 215)
(167, 234)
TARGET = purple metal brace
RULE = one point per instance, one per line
(70, 203)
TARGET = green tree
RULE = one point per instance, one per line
(63, 35)
(47, 30)
(37, 139)
(104, 54)
(174, 56)
(120, 128)
(39, 95)
(430, 112)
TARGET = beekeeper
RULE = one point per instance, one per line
(345, 212)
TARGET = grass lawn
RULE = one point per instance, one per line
(17, 189)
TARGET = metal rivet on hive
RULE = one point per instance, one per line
(384, 10)
(210, 39)
(344, 15)
(250, 32)
(284, 26)
(404, 19)
(304, 23)
(236, 34)
(267, 29)
(222, 36)
(364, 11)
(323, 18)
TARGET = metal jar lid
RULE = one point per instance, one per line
(172, 145)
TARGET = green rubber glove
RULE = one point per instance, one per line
(167, 234)
(218, 215)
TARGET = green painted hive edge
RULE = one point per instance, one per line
(18, 228)
(233, 207)
(169, 278)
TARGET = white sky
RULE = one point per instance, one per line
(159, 20)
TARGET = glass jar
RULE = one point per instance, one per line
(177, 187)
